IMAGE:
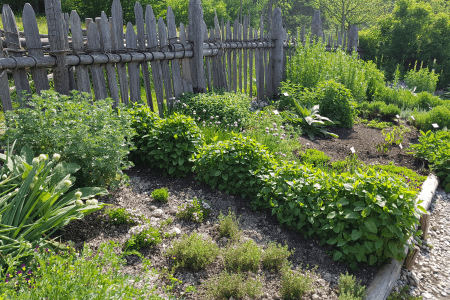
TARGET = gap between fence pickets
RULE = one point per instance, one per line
(177, 64)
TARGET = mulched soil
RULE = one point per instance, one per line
(259, 226)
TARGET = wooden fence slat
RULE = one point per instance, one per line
(117, 29)
(175, 64)
(133, 67)
(235, 37)
(152, 40)
(207, 59)
(98, 79)
(228, 39)
(261, 59)
(34, 46)
(277, 63)
(215, 73)
(162, 34)
(105, 35)
(224, 58)
(196, 37)
(185, 63)
(13, 42)
(240, 57)
(5, 94)
(83, 83)
(218, 38)
(245, 38)
(250, 63)
(70, 70)
(268, 69)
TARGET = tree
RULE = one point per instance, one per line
(343, 13)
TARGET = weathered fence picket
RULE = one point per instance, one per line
(117, 34)
(139, 15)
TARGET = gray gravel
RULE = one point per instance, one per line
(430, 276)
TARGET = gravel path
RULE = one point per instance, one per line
(430, 276)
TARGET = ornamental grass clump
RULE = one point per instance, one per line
(160, 195)
(243, 257)
(193, 252)
(195, 210)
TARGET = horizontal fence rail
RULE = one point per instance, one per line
(109, 59)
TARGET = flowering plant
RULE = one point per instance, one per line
(142, 236)
(195, 210)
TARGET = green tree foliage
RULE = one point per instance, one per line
(414, 31)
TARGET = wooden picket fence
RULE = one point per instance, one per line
(101, 57)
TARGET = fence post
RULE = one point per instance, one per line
(278, 36)
(195, 36)
(56, 37)
(316, 26)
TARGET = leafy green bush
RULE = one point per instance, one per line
(435, 148)
(294, 285)
(142, 236)
(225, 108)
(193, 252)
(314, 157)
(233, 165)
(439, 115)
(171, 143)
(229, 285)
(65, 276)
(349, 289)
(94, 136)
(275, 256)
(243, 257)
(161, 195)
(379, 108)
(36, 200)
(423, 80)
(143, 122)
(196, 210)
(121, 215)
(229, 226)
(368, 216)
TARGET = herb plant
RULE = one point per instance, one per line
(121, 215)
(275, 256)
(196, 210)
(243, 257)
(314, 157)
(233, 285)
(349, 289)
(229, 226)
(294, 284)
(160, 195)
(423, 80)
(142, 236)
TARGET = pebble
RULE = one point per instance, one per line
(157, 213)
(429, 276)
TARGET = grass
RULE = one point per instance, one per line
(275, 256)
(160, 195)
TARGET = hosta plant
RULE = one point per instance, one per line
(36, 200)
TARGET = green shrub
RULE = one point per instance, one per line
(411, 178)
(94, 136)
(378, 108)
(160, 195)
(232, 165)
(38, 198)
(142, 236)
(120, 215)
(226, 108)
(349, 289)
(294, 285)
(314, 157)
(193, 252)
(423, 80)
(196, 210)
(275, 256)
(171, 144)
(229, 226)
(229, 285)
(439, 115)
(143, 121)
(243, 257)
(64, 275)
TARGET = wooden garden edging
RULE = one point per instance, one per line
(103, 59)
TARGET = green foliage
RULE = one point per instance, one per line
(142, 236)
(411, 178)
(314, 157)
(395, 135)
(402, 295)
(439, 115)
(160, 195)
(193, 252)
(349, 289)
(350, 164)
(275, 256)
(243, 257)
(379, 124)
(229, 226)
(196, 210)
(228, 109)
(121, 215)
(35, 200)
(310, 121)
(423, 80)
(230, 285)
(94, 136)
(233, 165)
(368, 216)
(379, 108)
(171, 143)
(435, 148)
(294, 285)
(142, 121)
(65, 276)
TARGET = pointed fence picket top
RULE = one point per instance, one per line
(5, 95)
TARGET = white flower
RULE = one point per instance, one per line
(4, 176)
(282, 127)
(211, 117)
(35, 161)
(239, 120)
(204, 110)
(43, 157)
(194, 112)
(217, 117)
(56, 156)
(67, 182)
(274, 124)
(78, 194)
(78, 202)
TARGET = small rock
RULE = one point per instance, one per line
(315, 296)
(427, 295)
(176, 230)
(157, 213)
(173, 211)
(152, 207)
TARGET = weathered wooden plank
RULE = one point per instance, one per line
(207, 59)
(235, 37)
(316, 26)
(87, 22)
(133, 67)
(34, 46)
(261, 60)
(278, 35)
(70, 70)
(98, 79)
(267, 68)
(353, 38)
(240, 57)
(218, 38)
(139, 15)
(196, 37)
(165, 67)
(83, 84)
(152, 40)
(224, 57)
(245, 35)
(175, 64)
(250, 63)
(214, 67)
(111, 76)
(228, 39)
(12, 42)
(117, 29)
(185, 63)
(5, 94)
